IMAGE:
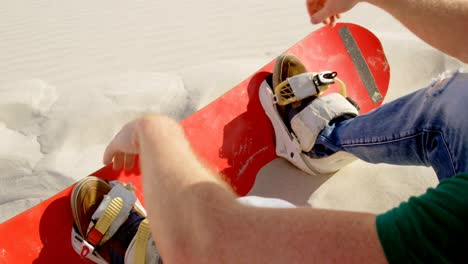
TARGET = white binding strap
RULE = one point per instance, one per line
(303, 86)
(129, 200)
(308, 123)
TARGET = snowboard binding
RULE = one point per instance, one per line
(294, 102)
(110, 224)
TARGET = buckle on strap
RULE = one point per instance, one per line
(325, 78)
(86, 249)
(94, 236)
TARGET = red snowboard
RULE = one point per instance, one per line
(232, 134)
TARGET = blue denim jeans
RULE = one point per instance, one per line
(428, 127)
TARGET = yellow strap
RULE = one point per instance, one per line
(343, 90)
(141, 243)
(284, 93)
(342, 85)
(111, 212)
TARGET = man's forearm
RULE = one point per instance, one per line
(182, 196)
(441, 23)
(301, 235)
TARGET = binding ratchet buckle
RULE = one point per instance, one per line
(324, 78)
(306, 85)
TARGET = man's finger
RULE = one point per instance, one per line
(119, 160)
(326, 22)
(332, 21)
(108, 155)
(129, 161)
(320, 16)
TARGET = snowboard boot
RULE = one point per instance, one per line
(293, 101)
(110, 224)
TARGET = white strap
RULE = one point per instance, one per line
(303, 86)
(129, 199)
(308, 123)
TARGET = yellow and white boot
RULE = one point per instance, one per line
(110, 224)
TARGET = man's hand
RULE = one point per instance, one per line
(327, 11)
(123, 147)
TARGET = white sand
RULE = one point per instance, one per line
(73, 72)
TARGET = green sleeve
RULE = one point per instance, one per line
(431, 228)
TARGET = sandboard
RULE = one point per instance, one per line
(232, 135)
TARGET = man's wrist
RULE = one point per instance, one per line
(378, 3)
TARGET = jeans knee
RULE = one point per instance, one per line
(440, 83)
(448, 94)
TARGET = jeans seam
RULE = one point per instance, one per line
(378, 143)
(452, 163)
(449, 151)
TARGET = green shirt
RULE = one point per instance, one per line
(431, 228)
